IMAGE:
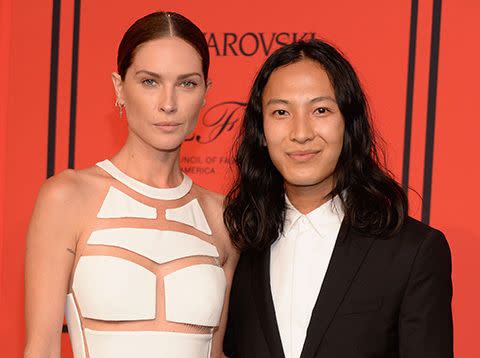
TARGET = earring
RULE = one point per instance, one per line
(120, 107)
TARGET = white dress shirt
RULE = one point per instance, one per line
(298, 263)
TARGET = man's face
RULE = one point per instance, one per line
(303, 125)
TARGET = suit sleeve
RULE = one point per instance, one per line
(425, 326)
(229, 340)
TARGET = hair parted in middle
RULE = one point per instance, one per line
(157, 25)
(374, 203)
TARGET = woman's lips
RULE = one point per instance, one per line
(167, 126)
(303, 155)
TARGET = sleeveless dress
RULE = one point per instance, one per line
(147, 280)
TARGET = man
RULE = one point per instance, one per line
(332, 266)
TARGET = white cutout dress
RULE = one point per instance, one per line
(147, 280)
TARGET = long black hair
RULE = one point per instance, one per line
(374, 203)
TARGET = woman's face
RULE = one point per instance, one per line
(303, 125)
(163, 92)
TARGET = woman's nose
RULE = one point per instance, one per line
(168, 102)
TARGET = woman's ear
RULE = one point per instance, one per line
(118, 86)
(208, 85)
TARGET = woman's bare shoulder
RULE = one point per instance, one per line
(214, 203)
(211, 198)
(63, 205)
(70, 187)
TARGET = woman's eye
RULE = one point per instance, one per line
(188, 84)
(149, 82)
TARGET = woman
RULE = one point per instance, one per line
(332, 264)
(136, 253)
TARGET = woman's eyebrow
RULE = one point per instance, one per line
(149, 73)
(186, 75)
(157, 76)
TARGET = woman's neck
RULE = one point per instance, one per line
(151, 166)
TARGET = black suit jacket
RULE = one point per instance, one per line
(383, 298)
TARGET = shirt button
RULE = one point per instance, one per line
(302, 225)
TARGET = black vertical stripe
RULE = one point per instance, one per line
(431, 110)
(73, 89)
(410, 85)
(52, 103)
(73, 94)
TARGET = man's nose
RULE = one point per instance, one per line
(302, 130)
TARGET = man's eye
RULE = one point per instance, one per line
(188, 84)
(321, 110)
(280, 112)
(149, 82)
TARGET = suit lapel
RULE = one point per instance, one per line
(264, 302)
(349, 252)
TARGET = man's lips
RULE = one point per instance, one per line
(303, 155)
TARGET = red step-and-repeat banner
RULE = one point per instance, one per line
(418, 60)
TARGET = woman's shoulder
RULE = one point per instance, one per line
(70, 186)
(213, 203)
(213, 200)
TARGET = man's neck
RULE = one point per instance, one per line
(307, 198)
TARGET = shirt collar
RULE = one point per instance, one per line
(328, 214)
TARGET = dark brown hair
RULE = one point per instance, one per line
(374, 203)
(157, 25)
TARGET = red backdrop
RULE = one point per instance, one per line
(437, 156)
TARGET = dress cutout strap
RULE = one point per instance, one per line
(147, 190)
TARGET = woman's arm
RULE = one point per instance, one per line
(229, 268)
(50, 255)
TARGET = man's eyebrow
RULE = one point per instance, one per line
(313, 100)
(323, 98)
(277, 101)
